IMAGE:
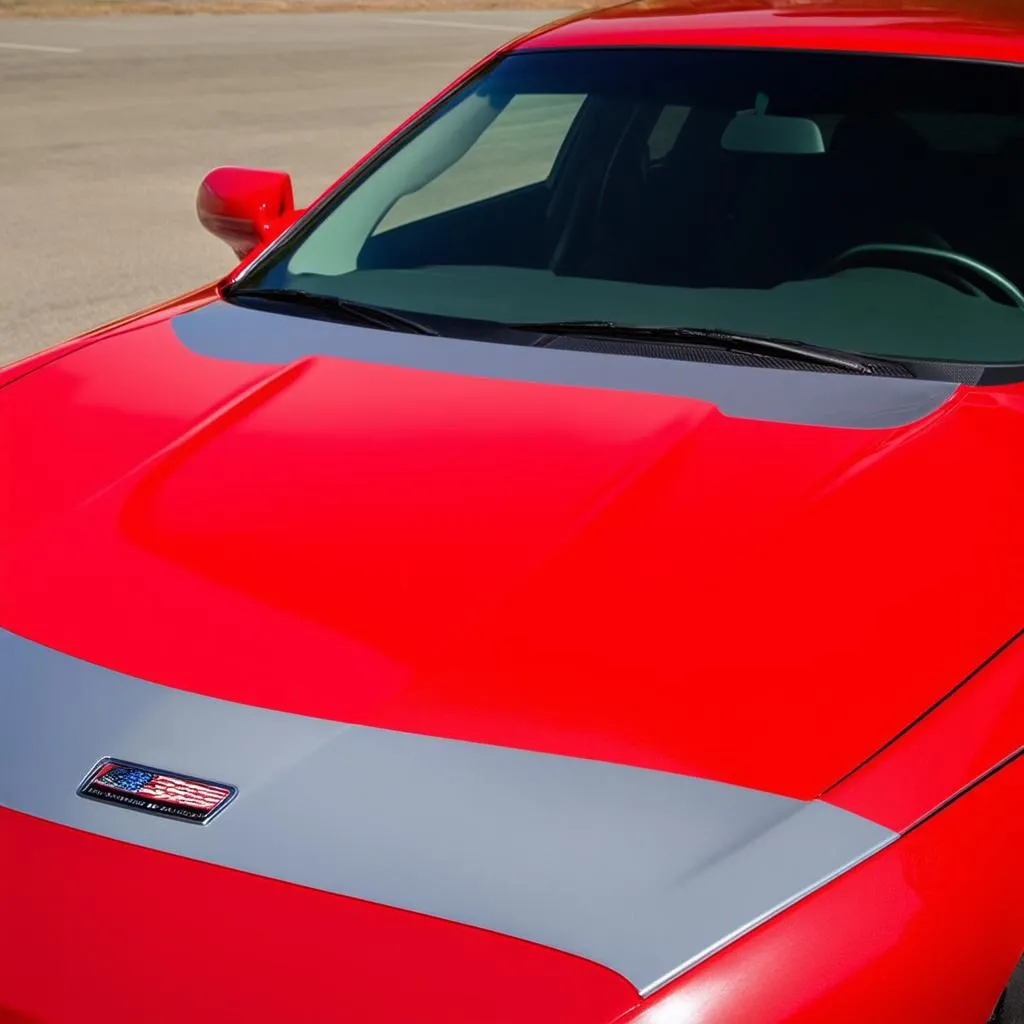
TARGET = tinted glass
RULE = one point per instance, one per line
(871, 204)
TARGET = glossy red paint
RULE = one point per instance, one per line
(244, 207)
(447, 545)
(973, 730)
(974, 29)
(927, 930)
(105, 931)
(432, 553)
(159, 312)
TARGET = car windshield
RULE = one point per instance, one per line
(869, 204)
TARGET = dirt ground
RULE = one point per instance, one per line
(90, 8)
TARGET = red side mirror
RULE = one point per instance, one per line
(245, 207)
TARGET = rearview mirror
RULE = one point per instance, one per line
(751, 132)
(245, 207)
(757, 131)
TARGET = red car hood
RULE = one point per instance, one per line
(467, 567)
(630, 577)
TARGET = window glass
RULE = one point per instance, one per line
(666, 131)
(517, 149)
(861, 202)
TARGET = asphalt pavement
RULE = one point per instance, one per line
(107, 126)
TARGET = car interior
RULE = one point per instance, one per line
(700, 216)
(862, 203)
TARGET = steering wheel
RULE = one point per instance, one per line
(961, 272)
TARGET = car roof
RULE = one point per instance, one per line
(969, 29)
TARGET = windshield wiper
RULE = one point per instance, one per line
(339, 309)
(706, 337)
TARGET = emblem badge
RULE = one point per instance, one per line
(156, 792)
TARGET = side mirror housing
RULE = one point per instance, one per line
(244, 207)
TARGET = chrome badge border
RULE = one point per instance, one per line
(156, 812)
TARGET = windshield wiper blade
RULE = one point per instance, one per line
(753, 344)
(339, 308)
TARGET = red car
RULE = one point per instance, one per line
(571, 573)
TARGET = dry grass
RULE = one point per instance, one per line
(96, 8)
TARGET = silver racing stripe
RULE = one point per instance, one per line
(224, 331)
(642, 871)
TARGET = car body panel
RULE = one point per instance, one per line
(867, 947)
(970, 733)
(110, 931)
(454, 568)
(986, 30)
(927, 930)
(643, 872)
(818, 612)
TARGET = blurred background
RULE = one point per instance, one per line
(111, 113)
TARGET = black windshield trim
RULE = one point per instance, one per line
(328, 307)
(721, 338)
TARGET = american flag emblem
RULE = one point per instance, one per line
(140, 788)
